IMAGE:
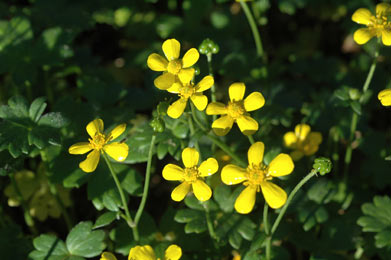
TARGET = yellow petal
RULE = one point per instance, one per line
(290, 139)
(244, 204)
(273, 194)
(232, 174)
(142, 252)
(216, 108)
(255, 153)
(385, 97)
(190, 157)
(382, 9)
(117, 151)
(281, 165)
(171, 49)
(314, 138)
(90, 163)
(222, 125)
(175, 87)
(190, 58)
(180, 192)
(310, 149)
(363, 35)
(164, 81)
(117, 131)
(302, 130)
(156, 62)
(172, 172)
(362, 16)
(80, 148)
(296, 155)
(386, 37)
(205, 84)
(201, 190)
(208, 167)
(107, 256)
(200, 101)
(236, 91)
(173, 252)
(247, 125)
(176, 109)
(254, 101)
(95, 127)
(186, 75)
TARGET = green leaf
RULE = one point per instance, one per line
(15, 31)
(196, 226)
(82, 241)
(37, 108)
(356, 106)
(139, 144)
(187, 215)
(105, 219)
(377, 218)
(49, 247)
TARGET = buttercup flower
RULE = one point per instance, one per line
(189, 90)
(302, 141)
(236, 111)
(379, 25)
(146, 252)
(192, 176)
(385, 97)
(173, 68)
(257, 177)
(99, 143)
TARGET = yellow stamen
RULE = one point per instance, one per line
(174, 66)
(191, 174)
(98, 141)
(187, 90)
(235, 109)
(256, 174)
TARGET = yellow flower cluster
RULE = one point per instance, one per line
(100, 143)
(302, 141)
(36, 192)
(378, 25)
(146, 252)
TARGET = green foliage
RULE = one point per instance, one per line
(377, 218)
(80, 243)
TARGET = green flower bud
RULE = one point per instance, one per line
(162, 108)
(157, 125)
(354, 94)
(208, 47)
(196, 70)
(322, 165)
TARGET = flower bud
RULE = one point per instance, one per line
(208, 47)
(322, 165)
(354, 94)
(157, 125)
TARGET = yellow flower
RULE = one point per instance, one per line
(302, 141)
(173, 68)
(385, 97)
(173, 252)
(236, 111)
(256, 177)
(187, 90)
(379, 25)
(99, 143)
(192, 177)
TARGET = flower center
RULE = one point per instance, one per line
(187, 91)
(235, 109)
(98, 141)
(256, 174)
(191, 174)
(174, 66)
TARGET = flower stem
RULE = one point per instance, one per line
(124, 203)
(199, 124)
(146, 184)
(27, 217)
(291, 195)
(355, 117)
(267, 231)
(254, 29)
(226, 149)
(192, 133)
(211, 230)
(54, 191)
(212, 90)
(251, 139)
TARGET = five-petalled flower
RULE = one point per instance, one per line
(192, 177)
(379, 25)
(173, 68)
(385, 97)
(236, 111)
(186, 90)
(302, 141)
(100, 143)
(256, 177)
(173, 252)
